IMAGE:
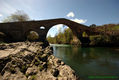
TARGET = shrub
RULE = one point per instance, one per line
(100, 40)
(32, 36)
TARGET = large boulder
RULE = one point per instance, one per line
(30, 61)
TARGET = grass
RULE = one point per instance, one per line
(37, 63)
(115, 28)
(40, 67)
(33, 77)
(23, 69)
(12, 70)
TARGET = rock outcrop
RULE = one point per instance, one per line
(32, 61)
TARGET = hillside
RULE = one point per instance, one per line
(110, 29)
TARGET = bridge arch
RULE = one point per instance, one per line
(58, 25)
(69, 26)
(76, 29)
(57, 34)
(31, 35)
(43, 27)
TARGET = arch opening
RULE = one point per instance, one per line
(42, 27)
(32, 35)
(61, 34)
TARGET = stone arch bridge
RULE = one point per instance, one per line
(17, 31)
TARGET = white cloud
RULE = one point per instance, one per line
(1, 15)
(70, 14)
(79, 20)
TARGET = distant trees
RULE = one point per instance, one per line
(17, 17)
(65, 37)
(32, 36)
(93, 25)
(84, 34)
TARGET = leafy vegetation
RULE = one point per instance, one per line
(32, 36)
(65, 37)
(110, 38)
(41, 67)
(17, 17)
(33, 77)
(108, 27)
(104, 40)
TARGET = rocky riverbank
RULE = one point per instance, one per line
(32, 61)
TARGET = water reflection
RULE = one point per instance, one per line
(89, 61)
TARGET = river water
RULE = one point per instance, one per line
(89, 61)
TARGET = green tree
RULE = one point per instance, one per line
(93, 25)
(84, 34)
(17, 17)
(68, 35)
(65, 37)
(32, 36)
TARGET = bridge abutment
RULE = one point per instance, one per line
(85, 41)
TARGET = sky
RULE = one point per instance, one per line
(86, 12)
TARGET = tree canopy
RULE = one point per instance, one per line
(18, 16)
(65, 37)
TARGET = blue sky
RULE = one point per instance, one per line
(86, 12)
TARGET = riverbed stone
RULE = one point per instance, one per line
(55, 72)
(32, 70)
(32, 61)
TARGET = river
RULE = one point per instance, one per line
(89, 61)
